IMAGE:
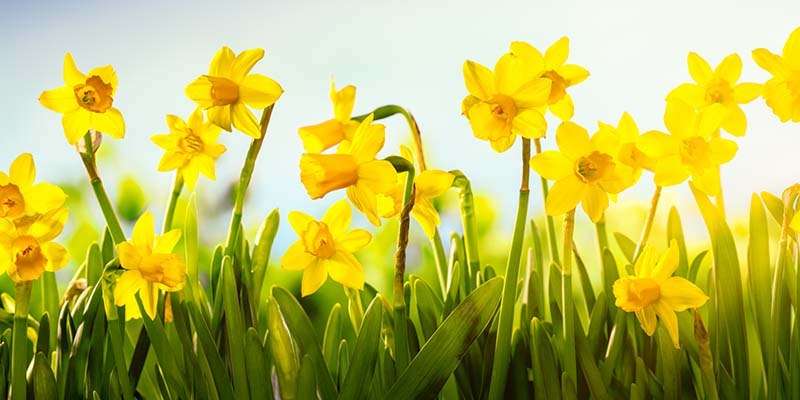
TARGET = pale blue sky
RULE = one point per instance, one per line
(409, 53)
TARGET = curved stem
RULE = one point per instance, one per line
(505, 323)
(468, 222)
(570, 365)
(402, 352)
(110, 216)
(19, 340)
(551, 229)
(648, 225)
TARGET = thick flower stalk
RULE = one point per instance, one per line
(229, 88)
(324, 135)
(782, 91)
(86, 102)
(325, 247)
(653, 292)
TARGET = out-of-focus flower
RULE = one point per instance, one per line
(562, 75)
(85, 102)
(21, 197)
(320, 137)
(354, 169)
(149, 266)
(586, 171)
(693, 147)
(326, 247)
(718, 86)
(782, 91)
(653, 291)
(507, 102)
(229, 87)
(190, 147)
(27, 250)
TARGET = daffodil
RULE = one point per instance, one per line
(326, 247)
(586, 171)
(692, 149)
(561, 74)
(191, 148)
(86, 101)
(795, 222)
(149, 266)
(718, 86)
(782, 91)
(21, 197)
(506, 102)
(627, 136)
(320, 137)
(229, 87)
(354, 169)
(654, 293)
(27, 250)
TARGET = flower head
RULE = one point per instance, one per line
(86, 101)
(320, 137)
(653, 291)
(506, 102)
(229, 87)
(693, 147)
(718, 86)
(354, 169)
(191, 148)
(149, 266)
(326, 247)
(586, 171)
(562, 76)
(782, 91)
(20, 197)
(626, 136)
(27, 250)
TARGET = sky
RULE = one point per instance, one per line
(408, 53)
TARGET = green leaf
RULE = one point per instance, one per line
(284, 355)
(306, 382)
(626, 245)
(774, 205)
(546, 381)
(94, 264)
(440, 355)
(330, 341)
(759, 271)
(362, 366)
(258, 375)
(261, 253)
(191, 239)
(675, 232)
(234, 325)
(41, 381)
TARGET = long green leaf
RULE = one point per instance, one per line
(365, 354)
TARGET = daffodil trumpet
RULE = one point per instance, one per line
(90, 162)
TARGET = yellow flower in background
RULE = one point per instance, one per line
(86, 101)
(27, 250)
(507, 102)
(191, 148)
(795, 223)
(782, 91)
(354, 169)
(562, 76)
(320, 137)
(585, 170)
(229, 88)
(21, 197)
(326, 247)
(653, 291)
(149, 267)
(628, 136)
(718, 86)
(692, 149)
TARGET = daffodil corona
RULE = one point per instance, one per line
(325, 248)
(320, 137)
(229, 87)
(150, 266)
(718, 86)
(654, 293)
(782, 91)
(190, 147)
(86, 102)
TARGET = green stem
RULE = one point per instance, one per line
(551, 228)
(570, 365)
(648, 225)
(502, 347)
(19, 340)
(468, 221)
(177, 187)
(441, 261)
(110, 216)
(402, 352)
(354, 307)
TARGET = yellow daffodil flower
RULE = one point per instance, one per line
(326, 247)
(653, 291)
(561, 74)
(86, 101)
(191, 148)
(782, 91)
(229, 88)
(586, 171)
(507, 102)
(354, 169)
(692, 148)
(795, 222)
(320, 137)
(149, 267)
(628, 136)
(428, 185)
(21, 197)
(718, 86)
(27, 250)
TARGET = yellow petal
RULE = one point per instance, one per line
(299, 221)
(60, 100)
(245, 121)
(573, 140)
(699, 68)
(433, 183)
(503, 143)
(107, 74)
(365, 201)
(680, 294)
(378, 175)
(730, 69)
(143, 231)
(129, 255)
(109, 122)
(573, 74)
(485, 125)
(551, 165)
(127, 285)
(771, 62)
(338, 218)
(529, 124)
(296, 258)
(657, 144)
(479, 80)
(49, 225)
(670, 321)
(165, 243)
(746, 92)
(533, 93)
(594, 203)
(533, 59)
(795, 224)
(368, 139)
(244, 62)
(343, 101)
(221, 117)
(43, 197)
(647, 318)
(564, 109)
(689, 93)
(735, 121)
(56, 255)
(199, 91)
(222, 62)
(313, 277)
(679, 118)
(23, 170)
(670, 171)
(426, 215)
(345, 269)
(707, 181)
(149, 295)
(510, 74)
(172, 160)
(259, 91)
(667, 264)
(354, 240)
(76, 124)
(557, 53)
(565, 195)
(72, 75)
(791, 50)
